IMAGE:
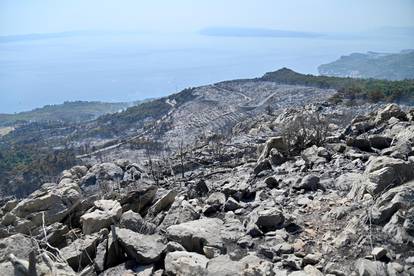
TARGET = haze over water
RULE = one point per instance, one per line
(129, 67)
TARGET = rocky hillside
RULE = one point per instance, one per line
(395, 66)
(296, 192)
(79, 111)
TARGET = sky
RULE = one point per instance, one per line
(48, 16)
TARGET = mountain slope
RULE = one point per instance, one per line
(396, 66)
(77, 111)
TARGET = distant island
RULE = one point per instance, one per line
(390, 66)
(254, 32)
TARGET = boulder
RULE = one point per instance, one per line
(379, 141)
(249, 265)
(17, 244)
(312, 259)
(194, 235)
(139, 198)
(361, 143)
(309, 183)
(315, 155)
(267, 218)
(133, 221)
(215, 203)
(129, 268)
(262, 165)
(389, 111)
(347, 180)
(181, 211)
(384, 172)
(102, 178)
(371, 268)
(276, 158)
(82, 251)
(197, 189)
(277, 143)
(185, 263)
(105, 213)
(145, 249)
(55, 234)
(271, 182)
(393, 200)
(378, 253)
(216, 199)
(50, 204)
(163, 203)
(231, 205)
(100, 256)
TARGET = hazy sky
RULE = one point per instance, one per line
(43, 16)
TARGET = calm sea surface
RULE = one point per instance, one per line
(133, 67)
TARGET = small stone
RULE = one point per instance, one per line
(271, 182)
(379, 252)
(312, 259)
(231, 205)
(211, 252)
(283, 248)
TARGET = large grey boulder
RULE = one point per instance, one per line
(145, 249)
(379, 141)
(181, 211)
(371, 268)
(393, 200)
(18, 244)
(82, 251)
(133, 221)
(277, 143)
(391, 110)
(185, 263)
(104, 213)
(381, 174)
(249, 265)
(267, 218)
(55, 234)
(139, 198)
(385, 172)
(50, 204)
(315, 155)
(102, 178)
(194, 235)
(164, 202)
(309, 183)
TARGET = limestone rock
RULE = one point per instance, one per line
(371, 268)
(194, 235)
(185, 263)
(164, 202)
(133, 221)
(18, 244)
(105, 213)
(267, 218)
(145, 249)
(82, 251)
(51, 203)
(139, 198)
(273, 143)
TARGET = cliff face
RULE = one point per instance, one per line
(398, 66)
(305, 190)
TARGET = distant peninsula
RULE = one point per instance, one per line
(254, 32)
(389, 66)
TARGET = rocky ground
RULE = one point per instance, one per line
(300, 192)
